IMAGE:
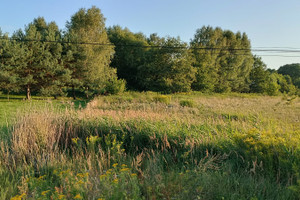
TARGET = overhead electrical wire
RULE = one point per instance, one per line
(233, 51)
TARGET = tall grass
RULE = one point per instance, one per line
(136, 147)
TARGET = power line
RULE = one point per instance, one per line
(212, 49)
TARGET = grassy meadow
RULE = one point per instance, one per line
(151, 146)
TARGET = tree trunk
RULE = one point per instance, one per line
(28, 93)
(73, 90)
(87, 93)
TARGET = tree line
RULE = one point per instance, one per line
(91, 59)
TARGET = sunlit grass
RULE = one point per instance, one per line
(152, 146)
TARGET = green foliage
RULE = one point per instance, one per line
(115, 86)
(271, 83)
(273, 86)
(258, 76)
(293, 70)
(162, 99)
(286, 85)
(43, 60)
(129, 54)
(116, 183)
(167, 69)
(221, 69)
(89, 64)
(126, 146)
(187, 103)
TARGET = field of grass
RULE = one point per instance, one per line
(152, 146)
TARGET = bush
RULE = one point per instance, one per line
(162, 99)
(115, 86)
(187, 103)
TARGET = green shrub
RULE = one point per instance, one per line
(162, 99)
(187, 103)
(115, 86)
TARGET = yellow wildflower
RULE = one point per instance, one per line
(124, 169)
(123, 165)
(22, 195)
(133, 175)
(41, 177)
(92, 139)
(18, 197)
(78, 196)
(75, 140)
(45, 192)
(116, 180)
(61, 196)
(102, 176)
(15, 198)
(115, 165)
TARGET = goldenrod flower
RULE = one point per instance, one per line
(61, 196)
(22, 195)
(18, 197)
(41, 177)
(45, 192)
(102, 176)
(133, 175)
(124, 169)
(116, 164)
(15, 198)
(75, 140)
(116, 180)
(78, 196)
(92, 139)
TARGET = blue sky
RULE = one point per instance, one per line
(268, 23)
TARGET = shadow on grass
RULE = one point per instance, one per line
(5, 135)
(80, 104)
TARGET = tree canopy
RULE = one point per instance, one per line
(220, 65)
(292, 70)
(91, 59)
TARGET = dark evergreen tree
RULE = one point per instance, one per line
(8, 79)
(41, 69)
(258, 76)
